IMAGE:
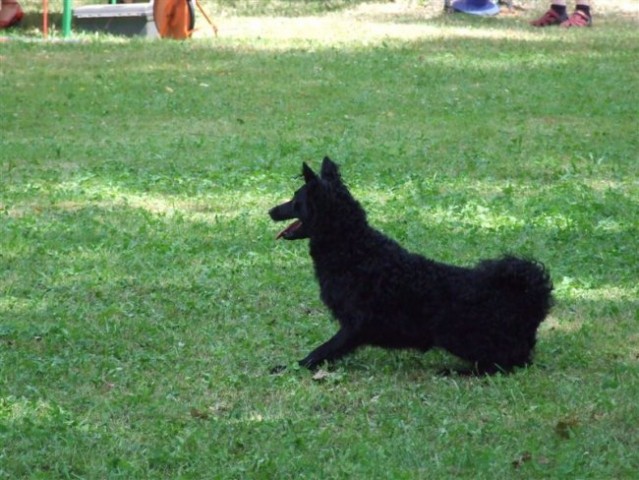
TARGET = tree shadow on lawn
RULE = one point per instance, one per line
(110, 264)
(140, 244)
(447, 102)
(187, 225)
(590, 337)
(289, 7)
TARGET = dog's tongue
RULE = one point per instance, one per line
(291, 228)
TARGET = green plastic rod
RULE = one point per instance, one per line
(67, 7)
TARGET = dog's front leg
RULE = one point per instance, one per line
(342, 343)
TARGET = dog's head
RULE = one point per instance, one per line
(319, 202)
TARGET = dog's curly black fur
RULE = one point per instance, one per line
(383, 295)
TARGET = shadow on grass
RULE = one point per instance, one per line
(291, 8)
(112, 201)
(153, 265)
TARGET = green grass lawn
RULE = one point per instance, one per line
(144, 300)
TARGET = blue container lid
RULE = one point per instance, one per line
(476, 7)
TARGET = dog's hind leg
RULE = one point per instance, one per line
(342, 343)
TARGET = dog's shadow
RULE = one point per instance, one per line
(410, 364)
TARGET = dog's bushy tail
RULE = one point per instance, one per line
(528, 279)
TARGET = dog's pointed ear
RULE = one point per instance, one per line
(308, 173)
(330, 170)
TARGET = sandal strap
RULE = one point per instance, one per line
(578, 18)
(551, 17)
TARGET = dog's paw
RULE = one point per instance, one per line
(469, 372)
(277, 369)
(458, 372)
(309, 363)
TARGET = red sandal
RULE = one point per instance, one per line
(549, 19)
(17, 16)
(578, 19)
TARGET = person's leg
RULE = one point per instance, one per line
(581, 17)
(583, 6)
(555, 15)
(559, 6)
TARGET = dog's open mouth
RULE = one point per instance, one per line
(289, 232)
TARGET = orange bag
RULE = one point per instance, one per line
(174, 18)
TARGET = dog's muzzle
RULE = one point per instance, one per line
(296, 230)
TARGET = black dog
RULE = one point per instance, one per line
(383, 295)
